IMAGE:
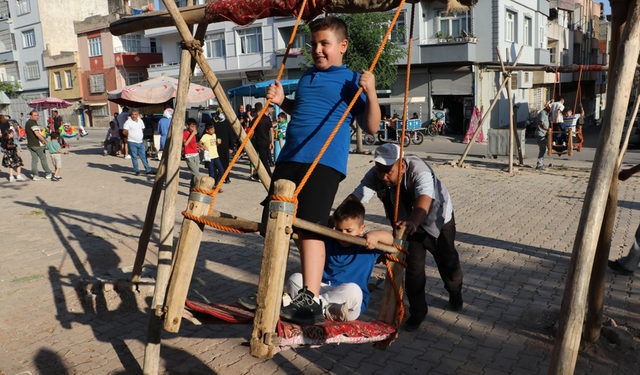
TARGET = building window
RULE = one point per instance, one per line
(399, 31)
(134, 77)
(511, 27)
(32, 70)
(5, 12)
(7, 41)
(452, 24)
(181, 3)
(250, 40)
(28, 39)
(552, 55)
(153, 45)
(96, 83)
(67, 74)
(23, 7)
(214, 45)
(527, 31)
(100, 111)
(58, 80)
(95, 46)
(130, 43)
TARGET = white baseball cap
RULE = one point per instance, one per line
(387, 154)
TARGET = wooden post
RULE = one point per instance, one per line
(154, 331)
(272, 271)
(486, 115)
(511, 125)
(186, 254)
(570, 141)
(147, 228)
(221, 96)
(550, 139)
(389, 300)
(567, 342)
(595, 306)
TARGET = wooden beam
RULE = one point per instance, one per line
(486, 115)
(565, 351)
(185, 257)
(221, 95)
(154, 331)
(272, 271)
(552, 68)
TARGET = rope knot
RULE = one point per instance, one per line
(192, 45)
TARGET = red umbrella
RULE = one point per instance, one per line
(48, 103)
(157, 90)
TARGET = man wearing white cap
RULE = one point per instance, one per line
(426, 211)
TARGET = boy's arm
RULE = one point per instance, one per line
(188, 139)
(624, 175)
(371, 116)
(378, 236)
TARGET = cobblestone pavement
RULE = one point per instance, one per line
(515, 236)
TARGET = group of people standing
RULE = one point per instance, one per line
(554, 116)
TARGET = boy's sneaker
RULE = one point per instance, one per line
(455, 301)
(127, 156)
(617, 268)
(137, 173)
(303, 309)
(54, 178)
(36, 178)
(48, 177)
(12, 179)
(21, 178)
(151, 172)
(248, 302)
(338, 312)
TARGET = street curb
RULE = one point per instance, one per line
(10, 367)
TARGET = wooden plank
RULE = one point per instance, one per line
(565, 351)
(272, 271)
(185, 258)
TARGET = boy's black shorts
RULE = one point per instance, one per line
(317, 195)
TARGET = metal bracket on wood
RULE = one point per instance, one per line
(402, 243)
(286, 207)
(272, 338)
(199, 197)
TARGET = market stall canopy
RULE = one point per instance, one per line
(157, 90)
(49, 103)
(259, 90)
(244, 12)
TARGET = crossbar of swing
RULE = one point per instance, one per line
(552, 68)
(235, 222)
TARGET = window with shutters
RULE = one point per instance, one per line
(96, 83)
(32, 70)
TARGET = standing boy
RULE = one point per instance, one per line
(122, 118)
(323, 95)
(55, 150)
(191, 155)
(209, 143)
(541, 134)
(264, 137)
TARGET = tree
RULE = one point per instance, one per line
(10, 88)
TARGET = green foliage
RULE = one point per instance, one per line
(366, 31)
(10, 88)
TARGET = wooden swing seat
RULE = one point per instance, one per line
(291, 334)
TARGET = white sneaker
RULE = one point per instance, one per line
(338, 312)
(12, 179)
(21, 178)
(127, 157)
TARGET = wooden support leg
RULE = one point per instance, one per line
(186, 254)
(570, 141)
(272, 271)
(154, 332)
(565, 351)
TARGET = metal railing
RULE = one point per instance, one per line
(160, 65)
(134, 49)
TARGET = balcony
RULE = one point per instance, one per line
(542, 56)
(8, 56)
(294, 59)
(138, 56)
(435, 53)
(578, 36)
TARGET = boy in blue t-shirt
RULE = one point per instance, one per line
(347, 268)
(323, 94)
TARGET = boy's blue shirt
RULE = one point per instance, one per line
(352, 264)
(322, 97)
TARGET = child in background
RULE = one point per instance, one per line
(55, 150)
(281, 131)
(209, 143)
(191, 150)
(11, 159)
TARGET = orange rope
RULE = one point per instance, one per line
(404, 118)
(212, 224)
(255, 123)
